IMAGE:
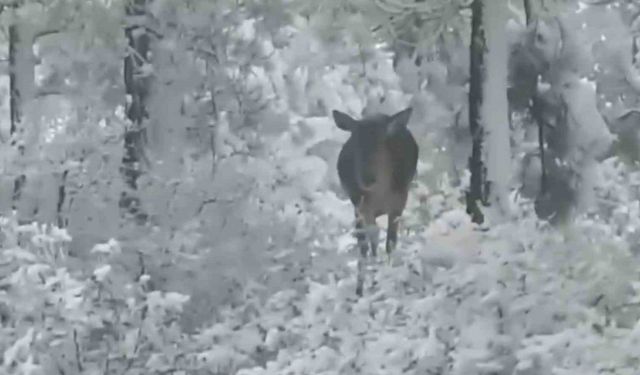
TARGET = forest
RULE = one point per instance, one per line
(173, 195)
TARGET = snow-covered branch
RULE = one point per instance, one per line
(44, 92)
(43, 33)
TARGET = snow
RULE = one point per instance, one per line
(111, 246)
(102, 272)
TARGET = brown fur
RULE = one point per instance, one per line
(382, 198)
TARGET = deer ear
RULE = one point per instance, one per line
(344, 121)
(399, 121)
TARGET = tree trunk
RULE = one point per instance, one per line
(137, 88)
(490, 166)
(14, 93)
(535, 108)
(21, 91)
(477, 193)
(14, 106)
(495, 109)
(61, 220)
(528, 11)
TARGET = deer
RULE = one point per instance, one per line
(376, 166)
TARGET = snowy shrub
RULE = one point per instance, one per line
(57, 319)
(522, 299)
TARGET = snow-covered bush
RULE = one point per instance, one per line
(58, 319)
(518, 299)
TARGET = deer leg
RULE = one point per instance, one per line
(360, 277)
(392, 233)
(362, 245)
(372, 233)
(361, 235)
(369, 228)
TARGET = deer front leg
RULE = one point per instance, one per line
(392, 234)
(372, 233)
(361, 235)
(370, 229)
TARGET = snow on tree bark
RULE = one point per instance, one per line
(490, 166)
(589, 135)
